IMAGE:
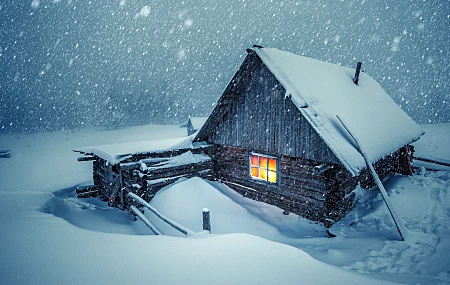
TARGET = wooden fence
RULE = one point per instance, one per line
(182, 229)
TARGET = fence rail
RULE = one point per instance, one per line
(434, 161)
(173, 224)
(149, 224)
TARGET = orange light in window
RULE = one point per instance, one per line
(262, 162)
(254, 160)
(272, 164)
(272, 176)
(263, 174)
(263, 167)
(255, 172)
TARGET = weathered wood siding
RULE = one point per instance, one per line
(146, 182)
(115, 181)
(261, 118)
(106, 176)
(300, 188)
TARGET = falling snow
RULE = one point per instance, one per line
(156, 60)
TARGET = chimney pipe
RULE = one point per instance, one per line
(358, 70)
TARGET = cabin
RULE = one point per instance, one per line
(283, 132)
(194, 124)
(278, 133)
(142, 168)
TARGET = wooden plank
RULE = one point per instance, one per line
(5, 153)
(294, 206)
(434, 161)
(86, 158)
(307, 188)
(275, 190)
(170, 222)
(146, 221)
(89, 194)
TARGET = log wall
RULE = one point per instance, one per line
(300, 188)
(318, 191)
(144, 175)
(106, 176)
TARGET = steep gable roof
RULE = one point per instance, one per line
(322, 91)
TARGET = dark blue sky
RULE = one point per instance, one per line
(69, 63)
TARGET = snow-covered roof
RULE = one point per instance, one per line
(321, 91)
(116, 153)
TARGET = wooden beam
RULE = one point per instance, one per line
(86, 158)
(434, 161)
(398, 223)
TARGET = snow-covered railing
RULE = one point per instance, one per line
(432, 160)
(173, 224)
(149, 224)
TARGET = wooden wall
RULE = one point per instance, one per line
(116, 181)
(261, 118)
(147, 182)
(106, 176)
(318, 191)
(145, 174)
(300, 187)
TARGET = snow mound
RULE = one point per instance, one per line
(230, 212)
(91, 214)
(423, 203)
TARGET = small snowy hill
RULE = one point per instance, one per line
(367, 240)
(48, 236)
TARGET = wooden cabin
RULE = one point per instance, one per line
(276, 135)
(194, 124)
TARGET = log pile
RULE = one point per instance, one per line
(88, 191)
(145, 178)
(145, 174)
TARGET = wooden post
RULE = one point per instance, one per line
(398, 224)
(206, 220)
(358, 70)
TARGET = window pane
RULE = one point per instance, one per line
(254, 160)
(272, 176)
(263, 174)
(263, 162)
(254, 172)
(272, 164)
(263, 167)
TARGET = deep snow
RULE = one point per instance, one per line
(48, 236)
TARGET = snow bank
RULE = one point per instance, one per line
(48, 236)
(367, 239)
(195, 194)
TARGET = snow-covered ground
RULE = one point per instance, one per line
(48, 236)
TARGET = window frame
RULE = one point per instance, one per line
(259, 179)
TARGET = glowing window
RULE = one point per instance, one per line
(263, 167)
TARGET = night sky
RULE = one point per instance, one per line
(69, 64)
